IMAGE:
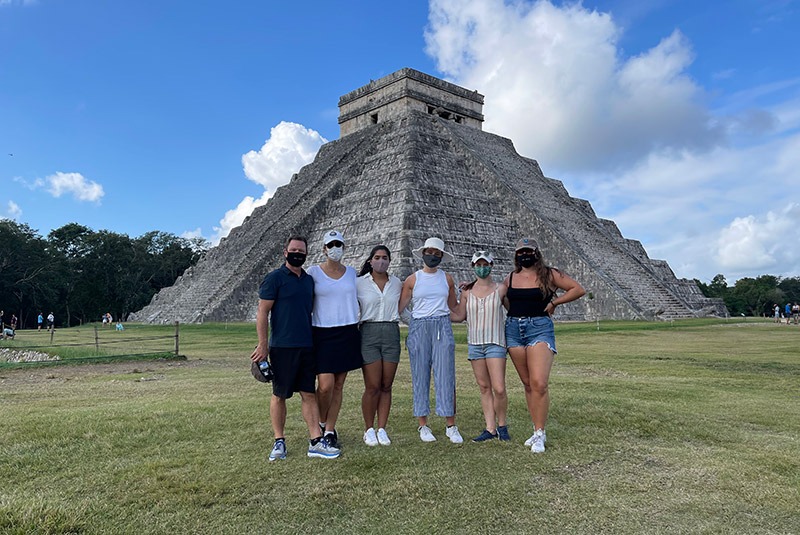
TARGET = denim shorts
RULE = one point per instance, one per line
(485, 351)
(523, 332)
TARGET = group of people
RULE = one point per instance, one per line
(316, 325)
(791, 313)
(51, 321)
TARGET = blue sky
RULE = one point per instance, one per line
(679, 120)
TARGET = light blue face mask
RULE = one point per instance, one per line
(482, 271)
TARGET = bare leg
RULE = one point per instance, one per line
(277, 413)
(324, 394)
(336, 401)
(310, 413)
(497, 375)
(372, 391)
(481, 372)
(540, 361)
(521, 364)
(385, 401)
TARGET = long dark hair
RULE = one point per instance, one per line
(543, 272)
(367, 267)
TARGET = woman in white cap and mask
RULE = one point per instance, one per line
(378, 296)
(481, 305)
(530, 337)
(334, 321)
(430, 342)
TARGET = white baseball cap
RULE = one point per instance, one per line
(486, 255)
(333, 235)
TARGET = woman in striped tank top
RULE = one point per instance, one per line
(482, 306)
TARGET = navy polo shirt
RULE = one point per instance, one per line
(290, 318)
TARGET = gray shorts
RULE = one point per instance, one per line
(380, 340)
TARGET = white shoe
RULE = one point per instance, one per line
(370, 439)
(537, 444)
(425, 434)
(383, 438)
(454, 435)
(529, 442)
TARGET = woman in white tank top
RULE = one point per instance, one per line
(430, 342)
(481, 305)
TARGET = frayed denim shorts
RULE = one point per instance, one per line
(524, 332)
(485, 351)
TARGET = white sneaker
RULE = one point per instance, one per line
(383, 438)
(537, 442)
(425, 434)
(529, 442)
(370, 439)
(454, 435)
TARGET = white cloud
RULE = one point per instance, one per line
(289, 147)
(74, 184)
(765, 243)
(557, 83)
(13, 211)
(634, 135)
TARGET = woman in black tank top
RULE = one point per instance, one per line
(531, 300)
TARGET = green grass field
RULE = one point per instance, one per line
(691, 427)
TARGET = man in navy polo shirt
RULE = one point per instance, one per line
(285, 300)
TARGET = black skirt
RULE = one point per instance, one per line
(337, 349)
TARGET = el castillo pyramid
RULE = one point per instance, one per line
(412, 162)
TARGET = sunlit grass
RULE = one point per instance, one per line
(689, 427)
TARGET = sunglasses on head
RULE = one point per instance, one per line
(334, 243)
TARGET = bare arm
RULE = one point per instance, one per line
(460, 313)
(572, 291)
(261, 351)
(406, 293)
(452, 301)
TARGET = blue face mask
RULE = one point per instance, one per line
(482, 271)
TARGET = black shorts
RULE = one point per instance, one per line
(294, 370)
(337, 349)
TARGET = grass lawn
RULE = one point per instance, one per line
(685, 427)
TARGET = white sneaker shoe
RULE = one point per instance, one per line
(370, 439)
(537, 442)
(383, 438)
(425, 434)
(529, 442)
(453, 434)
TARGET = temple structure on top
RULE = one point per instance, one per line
(413, 162)
(405, 90)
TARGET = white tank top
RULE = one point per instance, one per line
(486, 319)
(430, 295)
(335, 300)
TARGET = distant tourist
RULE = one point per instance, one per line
(788, 313)
(283, 323)
(337, 342)
(14, 322)
(530, 335)
(39, 321)
(8, 333)
(120, 327)
(431, 346)
(378, 297)
(51, 321)
(481, 305)
(777, 312)
(796, 313)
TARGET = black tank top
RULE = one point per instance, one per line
(526, 302)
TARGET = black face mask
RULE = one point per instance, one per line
(296, 259)
(431, 260)
(526, 260)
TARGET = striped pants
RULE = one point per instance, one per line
(431, 346)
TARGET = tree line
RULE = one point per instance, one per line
(80, 274)
(753, 296)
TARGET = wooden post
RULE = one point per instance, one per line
(96, 340)
(177, 339)
(52, 332)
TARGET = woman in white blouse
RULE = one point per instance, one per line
(378, 296)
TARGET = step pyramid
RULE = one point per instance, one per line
(413, 162)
